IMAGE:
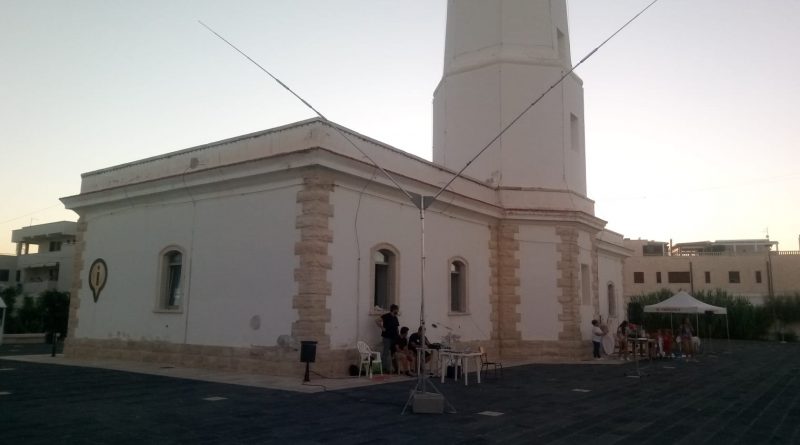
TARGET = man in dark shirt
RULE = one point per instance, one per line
(389, 325)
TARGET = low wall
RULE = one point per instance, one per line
(19, 339)
(257, 359)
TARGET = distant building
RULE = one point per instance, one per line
(723, 247)
(749, 268)
(8, 271)
(44, 257)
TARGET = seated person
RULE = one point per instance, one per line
(696, 344)
(656, 344)
(415, 341)
(668, 342)
(659, 344)
(402, 354)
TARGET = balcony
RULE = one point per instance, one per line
(34, 288)
(44, 259)
(56, 231)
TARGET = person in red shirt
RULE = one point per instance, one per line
(668, 343)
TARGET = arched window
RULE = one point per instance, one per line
(458, 286)
(612, 301)
(384, 264)
(171, 288)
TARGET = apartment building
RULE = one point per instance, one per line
(752, 268)
(44, 258)
(8, 271)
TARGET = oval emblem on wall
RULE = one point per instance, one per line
(98, 275)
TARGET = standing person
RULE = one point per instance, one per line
(622, 340)
(597, 339)
(389, 325)
(686, 338)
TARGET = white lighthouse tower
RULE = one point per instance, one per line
(555, 268)
(500, 55)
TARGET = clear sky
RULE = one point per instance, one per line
(691, 112)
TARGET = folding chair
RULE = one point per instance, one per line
(485, 364)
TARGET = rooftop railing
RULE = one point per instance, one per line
(764, 252)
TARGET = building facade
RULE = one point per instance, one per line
(226, 254)
(747, 268)
(44, 259)
(8, 271)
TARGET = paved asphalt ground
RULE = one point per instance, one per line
(748, 396)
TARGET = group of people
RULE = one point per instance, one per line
(399, 349)
(663, 339)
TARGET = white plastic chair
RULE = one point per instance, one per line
(367, 357)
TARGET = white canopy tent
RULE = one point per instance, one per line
(683, 303)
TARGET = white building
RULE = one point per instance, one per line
(209, 255)
(44, 259)
(8, 271)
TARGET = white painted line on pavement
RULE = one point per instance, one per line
(215, 398)
(490, 413)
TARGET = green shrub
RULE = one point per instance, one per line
(9, 296)
(54, 307)
(785, 308)
(28, 317)
(47, 313)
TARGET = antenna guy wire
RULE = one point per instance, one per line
(538, 99)
(321, 116)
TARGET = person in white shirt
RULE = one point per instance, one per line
(597, 338)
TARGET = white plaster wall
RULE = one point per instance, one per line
(539, 305)
(65, 267)
(472, 107)
(378, 221)
(236, 266)
(381, 221)
(586, 310)
(243, 269)
(537, 151)
(130, 240)
(784, 273)
(610, 271)
(458, 135)
(499, 56)
(452, 236)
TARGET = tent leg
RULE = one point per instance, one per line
(728, 330)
